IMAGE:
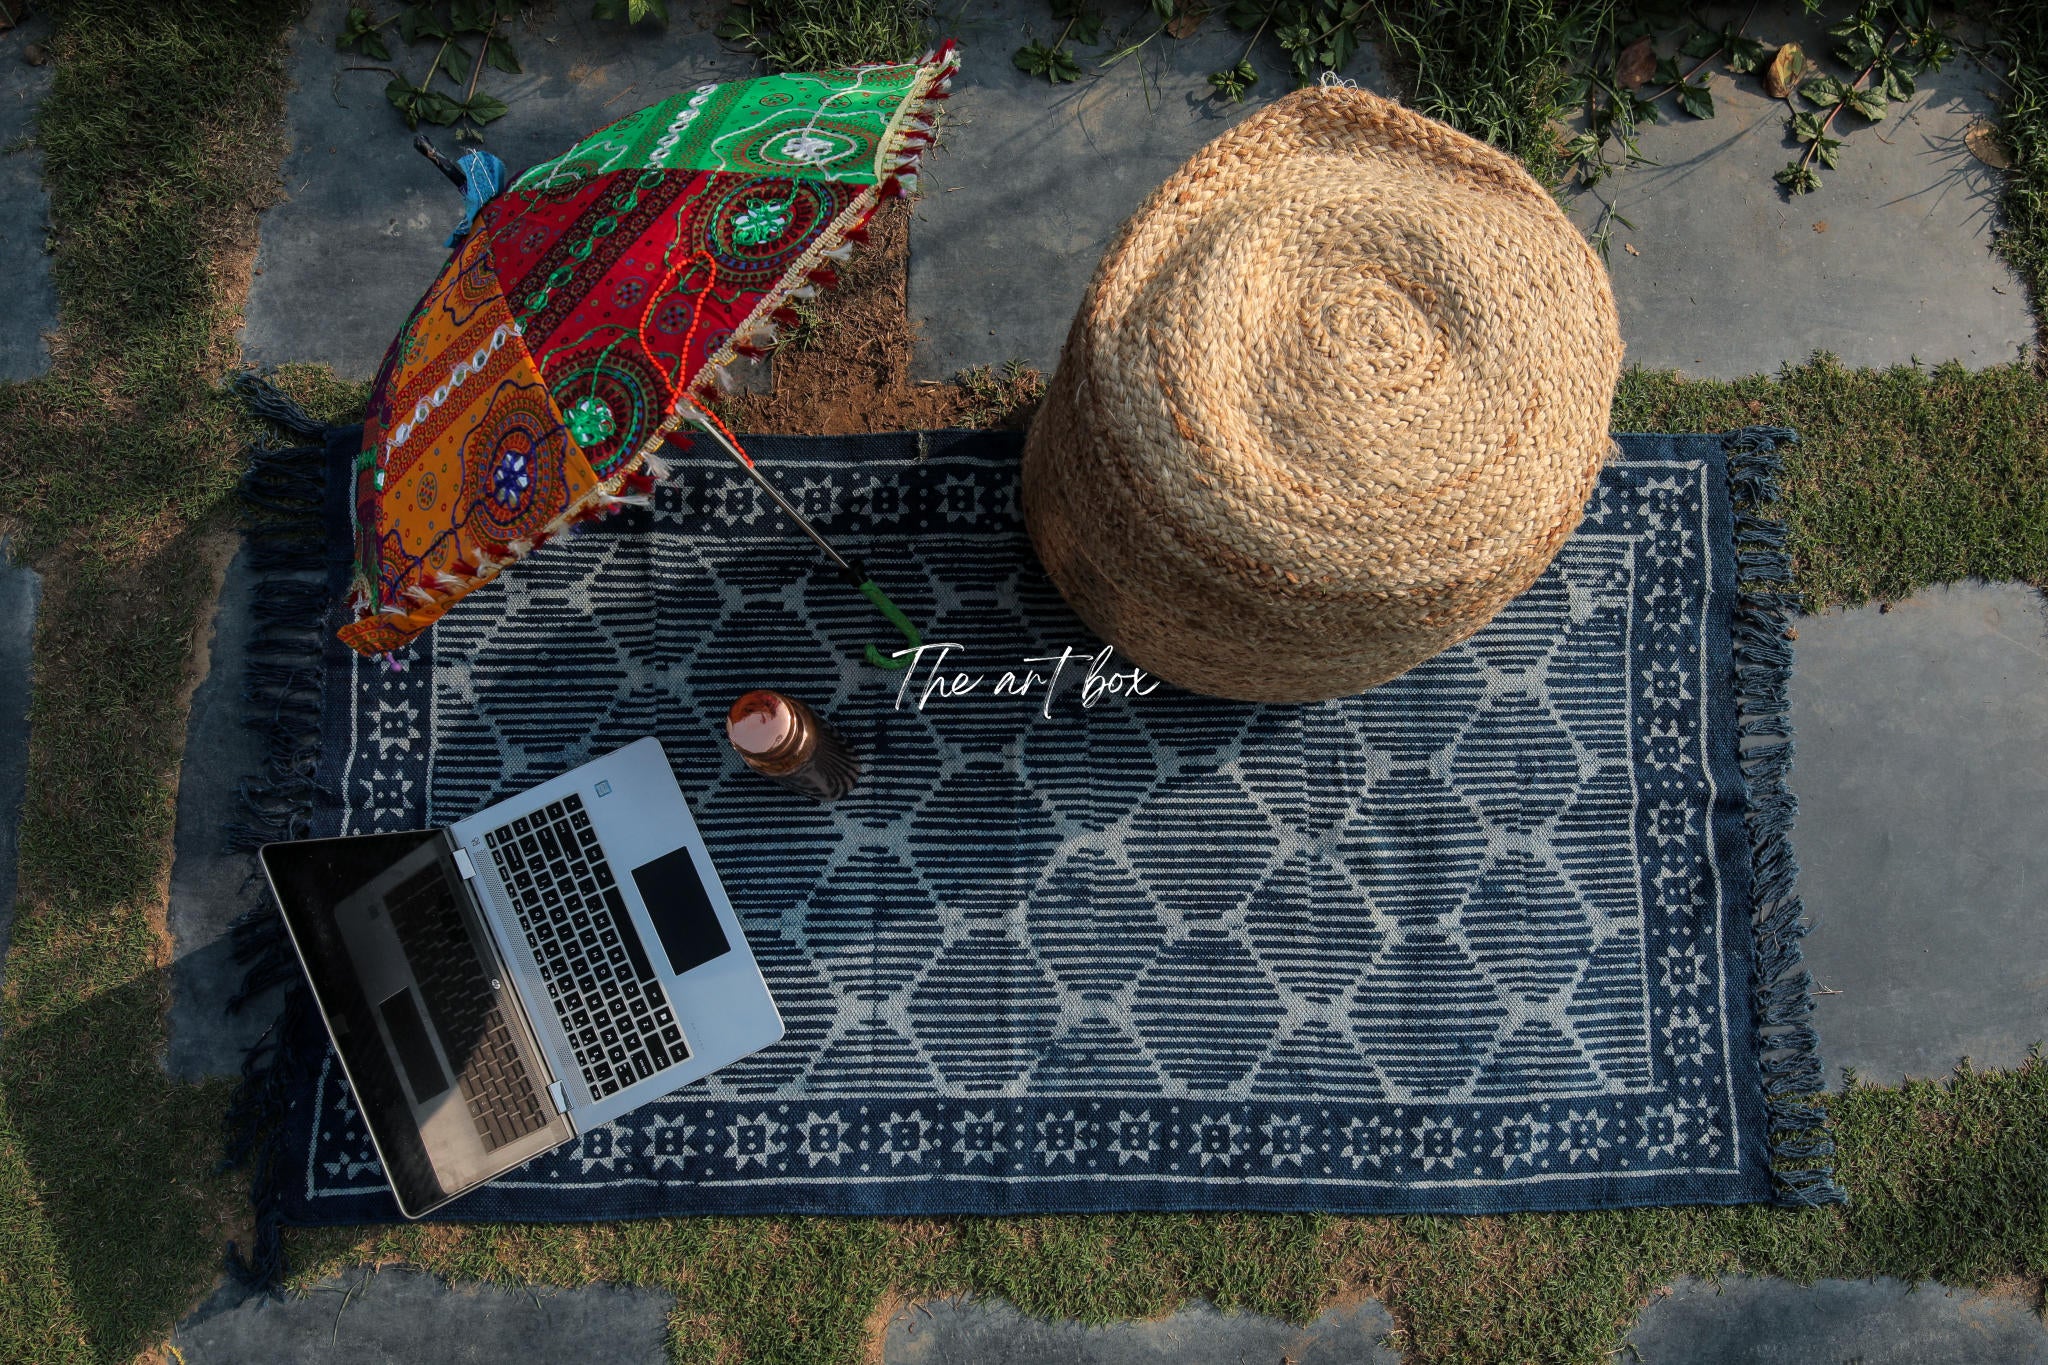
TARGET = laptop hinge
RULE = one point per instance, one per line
(464, 865)
(559, 1096)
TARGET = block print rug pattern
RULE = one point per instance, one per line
(1482, 939)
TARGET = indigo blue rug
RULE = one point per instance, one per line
(1515, 931)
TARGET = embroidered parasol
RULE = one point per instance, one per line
(592, 310)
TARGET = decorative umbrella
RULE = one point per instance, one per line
(591, 312)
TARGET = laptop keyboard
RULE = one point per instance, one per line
(597, 974)
(502, 1099)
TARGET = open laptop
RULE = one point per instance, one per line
(499, 986)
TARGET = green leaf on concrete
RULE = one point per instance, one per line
(1798, 178)
(1824, 91)
(1868, 103)
(455, 61)
(437, 108)
(1745, 54)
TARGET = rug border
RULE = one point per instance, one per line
(291, 493)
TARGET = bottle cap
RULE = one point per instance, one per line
(760, 723)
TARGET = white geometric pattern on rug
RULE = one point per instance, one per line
(1473, 906)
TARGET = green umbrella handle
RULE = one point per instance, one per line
(873, 592)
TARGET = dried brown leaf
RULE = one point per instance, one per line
(1636, 64)
(1186, 19)
(1788, 67)
(1986, 145)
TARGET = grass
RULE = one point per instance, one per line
(1946, 1180)
(812, 35)
(1498, 69)
(160, 142)
(2023, 236)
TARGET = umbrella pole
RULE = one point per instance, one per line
(852, 570)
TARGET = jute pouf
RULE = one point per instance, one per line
(1337, 392)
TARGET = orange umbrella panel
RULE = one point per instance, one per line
(592, 299)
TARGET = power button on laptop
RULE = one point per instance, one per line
(604, 789)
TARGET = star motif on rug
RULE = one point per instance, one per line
(1684, 969)
(1706, 1134)
(907, 1137)
(1135, 1136)
(1519, 1140)
(823, 1138)
(395, 727)
(1218, 1139)
(1686, 1041)
(1666, 685)
(1060, 1139)
(980, 1137)
(1664, 747)
(391, 802)
(1582, 1135)
(1671, 822)
(1370, 1141)
(1663, 1130)
(959, 498)
(668, 1142)
(1436, 1143)
(753, 1141)
(599, 1148)
(1286, 1139)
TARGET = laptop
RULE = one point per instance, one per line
(499, 986)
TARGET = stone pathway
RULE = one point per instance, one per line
(24, 208)
(1030, 183)
(992, 1332)
(1921, 730)
(401, 1317)
(1922, 777)
(344, 260)
(1888, 263)
(1834, 1322)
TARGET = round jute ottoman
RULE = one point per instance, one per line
(1336, 393)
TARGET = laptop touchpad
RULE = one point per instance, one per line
(681, 912)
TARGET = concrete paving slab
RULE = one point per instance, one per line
(1854, 1322)
(1889, 261)
(1030, 181)
(360, 237)
(20, 590)
(24, 207)
(1922, 777)
(992, 1332)
(402, 1317)
(210, 887)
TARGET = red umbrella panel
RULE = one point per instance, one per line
(535, 379)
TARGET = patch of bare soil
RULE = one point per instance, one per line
(846, 368)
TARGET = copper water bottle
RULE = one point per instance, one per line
(783, 740)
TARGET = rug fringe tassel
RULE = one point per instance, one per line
(1802, 1149)
(265, 401)
(285, 490)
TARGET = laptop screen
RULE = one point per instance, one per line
(321, 884)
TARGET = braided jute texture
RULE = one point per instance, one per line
(1336, 393)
